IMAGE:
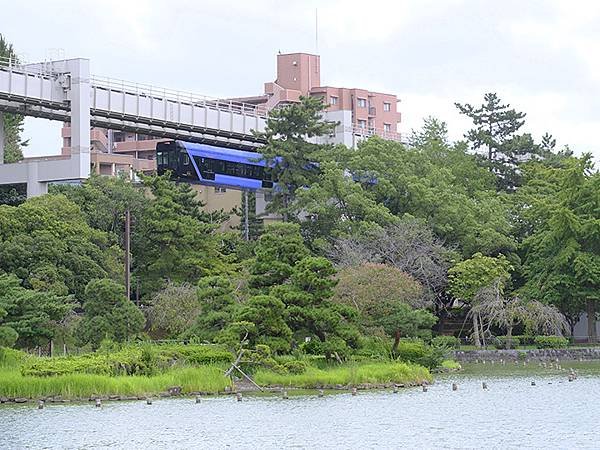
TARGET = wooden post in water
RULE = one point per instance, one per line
(454, 387)
(98, 403)
(238, 396)
(354, 391)
(41, 404)
(197, 399)
(484, 385)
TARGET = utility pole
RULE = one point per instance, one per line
(127, 253)
(246, 224)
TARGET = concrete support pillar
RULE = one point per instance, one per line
(34, 187)
(80, 113)
(2, 138)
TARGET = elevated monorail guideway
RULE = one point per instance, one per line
(64, 90)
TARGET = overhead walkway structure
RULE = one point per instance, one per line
(64, 90)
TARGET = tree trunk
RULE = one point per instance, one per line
(509, 337)
(396, 342)
(476, 331)
(591, 321)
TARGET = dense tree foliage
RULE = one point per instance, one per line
(562, 250)
(108, 314)
(174, 238)
(387, 300)
(29, 317)
(381, 242)
(47, 243)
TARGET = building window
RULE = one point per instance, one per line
(362, 124)
(362, 102)
(387, 127)
(333, 100)
(387, 106)
(220, 190)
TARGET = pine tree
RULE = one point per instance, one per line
(496, 127)
(289, 151)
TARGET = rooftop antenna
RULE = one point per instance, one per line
(317, 31)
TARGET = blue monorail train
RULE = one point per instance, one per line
(212, 165)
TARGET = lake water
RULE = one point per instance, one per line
(510, 414)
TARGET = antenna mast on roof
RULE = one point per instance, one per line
(317, 31)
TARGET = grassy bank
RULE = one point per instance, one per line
(126, 372)
(584, 368)
(82, 385)
(372, 373)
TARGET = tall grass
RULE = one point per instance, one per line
(81, 385)
(375, 373)
(10, 358)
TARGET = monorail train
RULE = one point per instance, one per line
(212, 165)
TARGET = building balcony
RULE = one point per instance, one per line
(366, 132)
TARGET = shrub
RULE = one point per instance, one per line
(526, 339)
(446, 341)
(551, 342)
(418, 352)
(374, 348)
(296, 367)
(501, 342)
(411, 350)
(134, 360)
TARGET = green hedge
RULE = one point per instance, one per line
(551, 342)
(133, 360)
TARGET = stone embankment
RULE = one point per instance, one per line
(572, 354)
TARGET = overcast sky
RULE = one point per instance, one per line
(542, 57)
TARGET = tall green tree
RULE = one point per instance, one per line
(562, 252)
(495, 131)
(218, 307)
(13, 123)
(433, 133)
(441, 185)
(172, 310)
(267, 313)
(104, 200)
(277, 251)
(290, 152)
(468, 278)
(174, 239)
(28, 317)
(47, 243)
(312, 314)
(387, 299)
(108, 314)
